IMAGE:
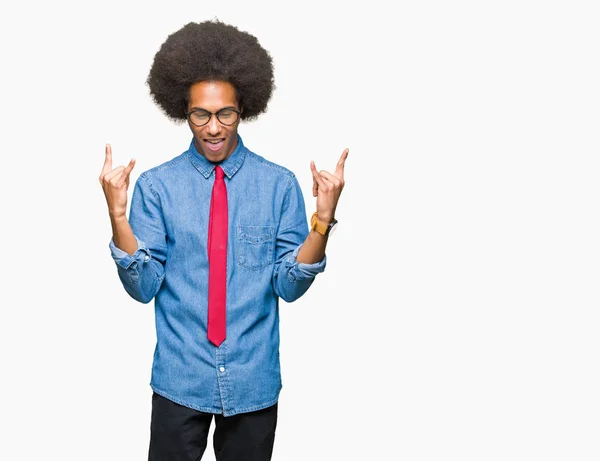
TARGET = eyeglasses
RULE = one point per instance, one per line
(200, 117)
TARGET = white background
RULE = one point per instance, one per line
(458, 316)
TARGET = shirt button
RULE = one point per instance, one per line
(222, 369)
(146, 258)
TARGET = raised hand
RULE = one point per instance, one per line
(327, 187)
(115, 183)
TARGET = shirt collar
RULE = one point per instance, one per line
(230, 165)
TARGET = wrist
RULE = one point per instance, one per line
(117, 216)
(325, 218)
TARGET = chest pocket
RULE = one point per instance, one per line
(255, 246)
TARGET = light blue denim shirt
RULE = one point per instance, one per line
(267, 225)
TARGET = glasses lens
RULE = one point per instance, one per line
(199, 117)
(227, 116)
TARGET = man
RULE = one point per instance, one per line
(216, 236)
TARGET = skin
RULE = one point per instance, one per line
(213, 96)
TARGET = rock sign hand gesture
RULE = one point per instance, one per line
(115, 183)
(327, 188)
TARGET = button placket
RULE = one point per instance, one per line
(223, 376)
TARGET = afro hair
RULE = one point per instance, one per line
(211, 50)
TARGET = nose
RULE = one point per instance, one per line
(213, 127)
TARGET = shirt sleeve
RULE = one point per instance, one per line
(292, 279)
(142, 272)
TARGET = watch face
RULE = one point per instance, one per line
(332, 228)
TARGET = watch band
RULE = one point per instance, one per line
(321, 227)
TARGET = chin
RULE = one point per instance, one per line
(214, 157)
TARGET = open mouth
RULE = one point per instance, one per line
(214, 144)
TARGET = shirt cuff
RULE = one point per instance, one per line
(299, 271)
(124, 259)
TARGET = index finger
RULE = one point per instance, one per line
(316, 176)
(339, 169)
(107, 160)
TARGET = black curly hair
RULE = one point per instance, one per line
(211, 50)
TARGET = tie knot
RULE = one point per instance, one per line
(219, 172)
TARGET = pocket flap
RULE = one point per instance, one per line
(255, 234)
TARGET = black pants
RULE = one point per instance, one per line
(179, 433)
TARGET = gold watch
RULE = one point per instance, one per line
(321, 227)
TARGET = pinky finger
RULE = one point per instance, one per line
(126, 172)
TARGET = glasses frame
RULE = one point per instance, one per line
(216, 114)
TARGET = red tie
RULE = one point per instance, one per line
(217, 259)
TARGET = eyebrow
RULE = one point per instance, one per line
(202, 108)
